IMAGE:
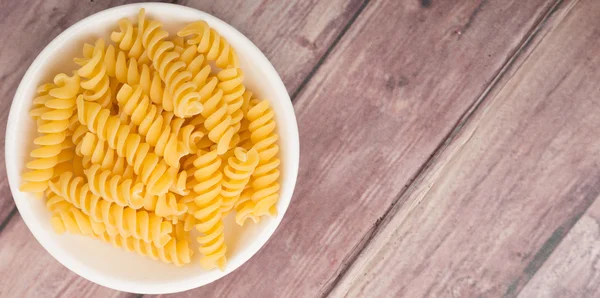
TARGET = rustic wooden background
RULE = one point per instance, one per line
(448, 148)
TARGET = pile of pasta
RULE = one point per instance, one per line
(152, 137)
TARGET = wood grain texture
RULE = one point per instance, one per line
(27, 270)
(513, 182)
(293, 34)
(370, 117)
(573, 269)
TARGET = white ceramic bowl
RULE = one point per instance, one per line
(100, 262)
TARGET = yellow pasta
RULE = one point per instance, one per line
(55, 203)
(114, 187)
(184, 100)
(265, 183)
(129, 38)
(129, 71)
(167, 135)
(237, 175)
(154, 139)
(211, 44)
(175, 251)
(231, 82)
(118, 219)
(97, 85)
(154, 171)
(206, 208)
(39, 103)
(218, 123)
(74, 221)
(165, 205)
(53, 124)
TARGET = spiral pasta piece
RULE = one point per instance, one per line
(231, 82)
(218, 123)
(151, 170)
(146, 164)
(130, 71)
(118, 219)
(168, 136)
(211, 44)
(115, 188)
(244, 208)
(237, 175)
(55, 203)
(244, 133)
(179, 185)
(265, 185)
(206, 208)
(74, 221)
(183, 100)
(39, 103)
(245, 141)
(98, 154)
(165, 205)
(53, 123)
(129, 37)
(97, 85)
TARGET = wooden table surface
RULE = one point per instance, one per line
(448, 148)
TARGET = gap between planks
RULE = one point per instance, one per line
(419, 175)
(329, 50)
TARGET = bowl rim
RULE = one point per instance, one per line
(86, 271)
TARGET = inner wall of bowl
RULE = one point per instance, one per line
(100, 262)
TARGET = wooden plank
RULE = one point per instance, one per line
(572, 269)
(20, 252)
(505, 191)
(386, 97)
(293, 34)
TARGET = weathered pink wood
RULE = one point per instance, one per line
(572, 269)
(386, 97)
(505, 191)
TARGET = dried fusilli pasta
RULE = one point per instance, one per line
(231, 82)
(154, 171)
(153, 139)
(118, 219)
(211, 44)
(237, 175)
(206, 208)
(184, 101)
(53, 124)
(265, 185)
